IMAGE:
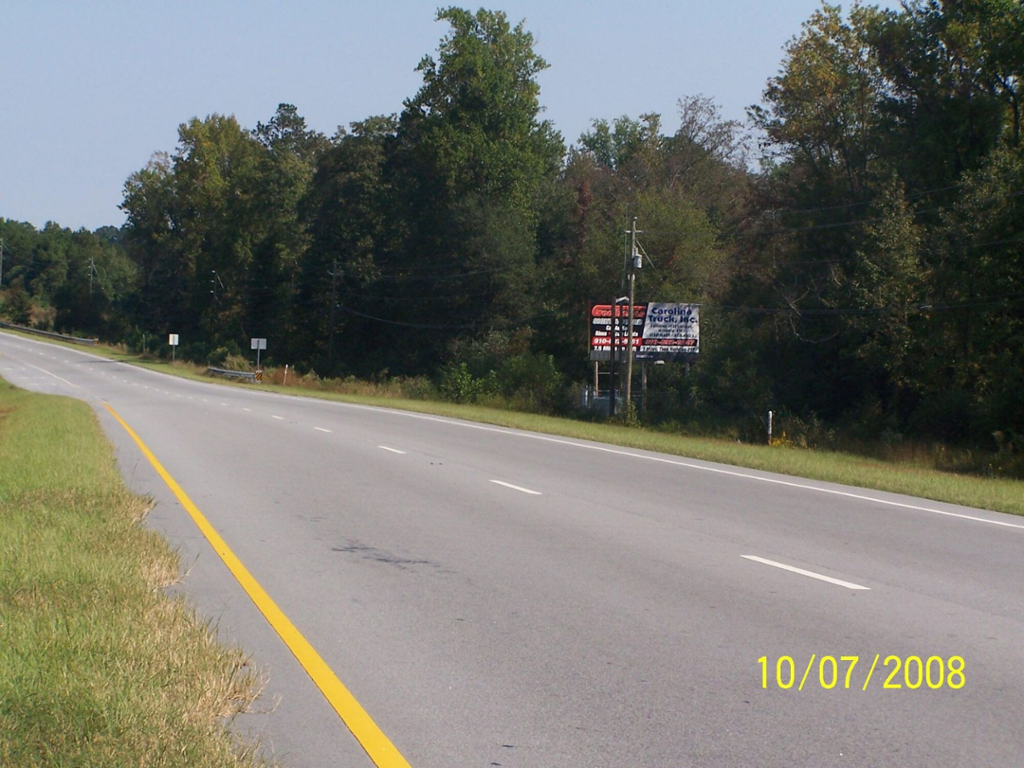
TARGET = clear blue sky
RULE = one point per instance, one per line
(89, 90)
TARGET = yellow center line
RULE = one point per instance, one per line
(381, 751)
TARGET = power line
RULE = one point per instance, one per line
(396, 276)
(403, 324)
(734, 232)
(862, 203)
(922, 306)
(471, 326)
(403, 299)
(811, 262)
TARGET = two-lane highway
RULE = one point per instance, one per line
(496, 597)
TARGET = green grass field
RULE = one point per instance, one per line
(911, 477)
(98, 667)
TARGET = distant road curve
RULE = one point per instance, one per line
(492, 597)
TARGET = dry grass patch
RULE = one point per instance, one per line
(98, 667)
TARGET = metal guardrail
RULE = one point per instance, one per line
(49, 334)
(249, 376)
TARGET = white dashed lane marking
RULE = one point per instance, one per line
(517, 488)
(802, 572)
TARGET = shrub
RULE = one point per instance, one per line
(229, 356)
(531, 382)
(236, 363)
(458, 385)
(18, 307)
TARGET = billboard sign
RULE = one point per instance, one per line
(660, 331)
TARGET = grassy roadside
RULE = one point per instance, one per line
(997, 494)
(97, 666)
(1002, 495)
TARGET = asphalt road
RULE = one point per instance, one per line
(500, 598)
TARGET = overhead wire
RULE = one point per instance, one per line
(920, 306)
(734, 232)
(436, 327)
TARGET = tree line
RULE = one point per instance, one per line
(867, 278)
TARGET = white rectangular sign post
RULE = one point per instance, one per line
(259, 345)
(172, 339)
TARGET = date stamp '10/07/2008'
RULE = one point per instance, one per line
(838, 672)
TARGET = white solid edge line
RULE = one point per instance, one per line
(545, 438)
(517, 488)
(802, 572)
(689, 465)
(321, 429)
(392, 450)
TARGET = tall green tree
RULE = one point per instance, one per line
(822, 109)
(98, 289)
(281, 180)
(192, 225)
(888, 283)
(972, 376)
(215, 176)
(472, 160)
(151, 236)
(348, 217)
(952, 73)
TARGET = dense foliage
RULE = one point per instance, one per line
(867, 280)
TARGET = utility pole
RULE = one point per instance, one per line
(1, 262)
(92, 269)
(629, 322)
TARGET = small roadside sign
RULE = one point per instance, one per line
(172, 339)
(259, 345)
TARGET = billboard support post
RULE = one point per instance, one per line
(611, 364)
(629, 320)
(643, 389)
